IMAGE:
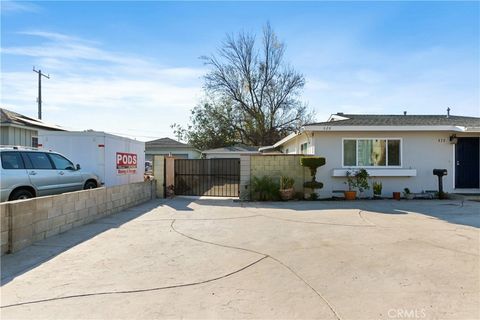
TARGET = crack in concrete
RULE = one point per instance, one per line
(200, 219)
(445, 248)
(133, 291)
(332, 309)
(316, 222)
(365, 219)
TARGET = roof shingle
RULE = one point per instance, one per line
(166, 143)
(401, 120)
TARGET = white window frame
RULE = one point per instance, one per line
(375, 138)
(305, 150)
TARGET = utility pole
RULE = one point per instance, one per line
(39, 99)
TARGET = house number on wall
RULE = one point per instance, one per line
(327, 128)
(442, 140)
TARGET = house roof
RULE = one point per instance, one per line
(238, 148)
(340, 119)
(166, 143)
(10, 117)
(387, 122)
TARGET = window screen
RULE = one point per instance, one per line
(350, 152)
(393, 152)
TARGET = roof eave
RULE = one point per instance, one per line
(327, 128)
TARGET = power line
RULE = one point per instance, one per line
(39, 99)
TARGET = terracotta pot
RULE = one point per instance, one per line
(396, 195)
(350, 195)
(287, 194)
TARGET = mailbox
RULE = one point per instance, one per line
(440, 173)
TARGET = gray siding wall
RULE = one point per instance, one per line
(17, 136)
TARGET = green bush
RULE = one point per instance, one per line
(265, 189)
(377, 188)
(313, 163)
(313, 196)
(286, 182)
(313, 185)
(358, 180)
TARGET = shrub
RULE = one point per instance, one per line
(377, 188)
(358, 180)
(313, 196)
(286, 182)
(313, 185)
(265, 189)
(313, 163)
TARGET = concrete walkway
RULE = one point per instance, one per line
(222, 259)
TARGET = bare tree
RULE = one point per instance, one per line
(263, 89)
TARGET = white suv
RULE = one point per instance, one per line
(28, 172)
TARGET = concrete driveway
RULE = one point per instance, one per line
(222, 259)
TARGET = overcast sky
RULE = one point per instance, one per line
(134, 68)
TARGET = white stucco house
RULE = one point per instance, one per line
(400, 151)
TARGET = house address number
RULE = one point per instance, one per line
(442, 140)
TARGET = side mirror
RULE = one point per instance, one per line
(78, 167)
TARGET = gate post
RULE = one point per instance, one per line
(159, 174)
(169, 172)
(244, 192)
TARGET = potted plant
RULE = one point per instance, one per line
(407, 194)
(350, 194)
(286, 188)
(377, 189)
(357, 180)
(313, 163)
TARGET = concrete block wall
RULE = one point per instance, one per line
(159, 174)
(4, 225)
(245, 177)
(275, 166)
(26, 221)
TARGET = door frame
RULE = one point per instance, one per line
(454, 166)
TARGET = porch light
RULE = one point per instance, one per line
(453, 139)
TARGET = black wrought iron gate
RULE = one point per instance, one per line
(207, 177)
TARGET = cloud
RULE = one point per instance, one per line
(91, 87)
(16, 6)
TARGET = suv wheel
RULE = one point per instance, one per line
(21, 194)
(90, 185)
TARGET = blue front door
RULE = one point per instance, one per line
(467, 163)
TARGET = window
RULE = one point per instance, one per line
(12, 160)
(371, 152)
(303, 148)
(61, 163)
(35, 142)
(39, 160)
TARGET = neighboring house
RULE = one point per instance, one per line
(230, 152)
(19, 130)
(169, 147)
(400, 151)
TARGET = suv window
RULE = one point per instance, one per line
(12, 160)
(61, 163)
(39, 160)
